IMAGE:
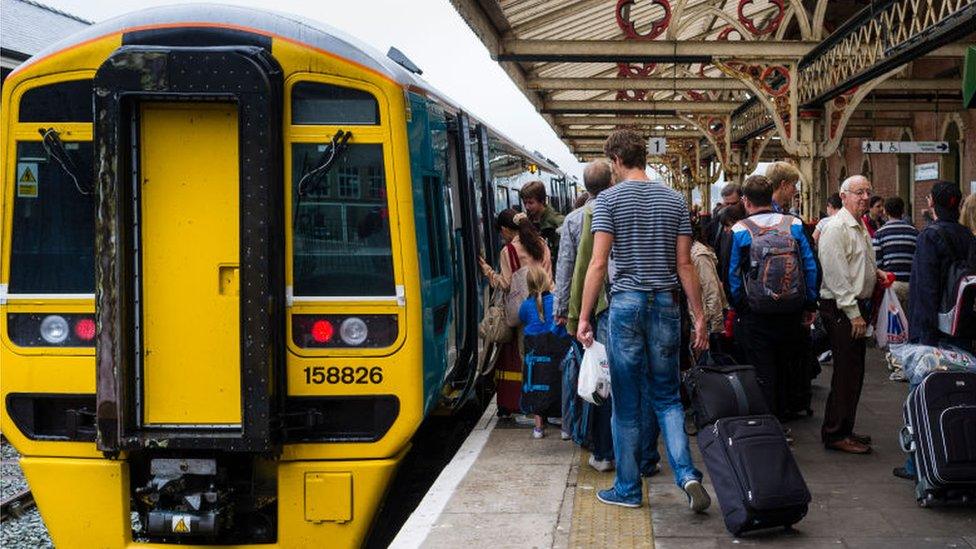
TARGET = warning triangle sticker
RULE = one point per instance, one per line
(27, 177)
(180, 527)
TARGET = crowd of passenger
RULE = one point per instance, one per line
(665, 286)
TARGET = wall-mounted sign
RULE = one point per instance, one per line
(905, 147)
(927, 171)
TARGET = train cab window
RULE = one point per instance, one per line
(53, 242)
(342, 227)
(327, 104)
(70, 101)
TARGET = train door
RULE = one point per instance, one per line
(190, 270)
(189, 241)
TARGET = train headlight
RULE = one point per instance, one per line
(54, 329)
(353, 331)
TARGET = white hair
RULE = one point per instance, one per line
(845, 187)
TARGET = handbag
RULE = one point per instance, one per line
(494, 327)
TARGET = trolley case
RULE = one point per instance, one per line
(719, 388)
(940, 432)
(756, 479)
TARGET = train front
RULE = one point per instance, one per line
(206, 299)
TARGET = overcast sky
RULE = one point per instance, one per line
(430, 32)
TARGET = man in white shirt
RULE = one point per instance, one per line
(849, 275)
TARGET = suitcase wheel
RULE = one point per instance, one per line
(927, 501)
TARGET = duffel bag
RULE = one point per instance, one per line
(718, 388)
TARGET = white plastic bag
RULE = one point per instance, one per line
(594, 377)
(891, 327)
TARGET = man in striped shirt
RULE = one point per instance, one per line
(894, 247)
(646, 225)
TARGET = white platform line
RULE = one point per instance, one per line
(421, 521)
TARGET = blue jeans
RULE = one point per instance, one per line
(644, 349)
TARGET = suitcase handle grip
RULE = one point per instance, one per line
(906, 439)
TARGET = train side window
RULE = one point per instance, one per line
(53, 241)
(328, 104)
(70, 101)
(342, 243)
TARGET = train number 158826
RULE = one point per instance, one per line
(333, 375)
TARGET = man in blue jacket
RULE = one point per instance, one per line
(769, 340)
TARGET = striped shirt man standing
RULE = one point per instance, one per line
(894, 247)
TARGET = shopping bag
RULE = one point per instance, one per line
(594, 376)
(891, 327)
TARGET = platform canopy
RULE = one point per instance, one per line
(727, 82)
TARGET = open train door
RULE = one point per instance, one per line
(189, 240)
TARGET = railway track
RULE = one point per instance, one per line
(16, 505)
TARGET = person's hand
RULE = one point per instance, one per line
(485, 267)
(584, 333)
(858, 328)
(808, 318)
(886, 279)
(701, 335)
(561, 320)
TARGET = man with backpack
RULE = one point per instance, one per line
(773, 282)
(850, 273)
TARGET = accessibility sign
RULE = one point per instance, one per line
(657, 145)
(904, 147)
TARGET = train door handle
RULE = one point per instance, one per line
(228, 275)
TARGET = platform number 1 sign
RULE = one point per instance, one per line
(657, 145)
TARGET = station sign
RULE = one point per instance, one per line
(657, 145)
(905, 147)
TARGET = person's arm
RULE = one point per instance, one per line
(692, 288)
(834, 251)
(741, 240)
(503, 280)
(565, 263)
(711, 286)
(596, 273)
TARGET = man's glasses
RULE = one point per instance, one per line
(862, 192)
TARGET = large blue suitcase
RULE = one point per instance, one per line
(940, 432)
(755, 478)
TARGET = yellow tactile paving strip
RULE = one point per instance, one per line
(596, 524)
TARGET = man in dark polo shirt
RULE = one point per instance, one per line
(646, 225)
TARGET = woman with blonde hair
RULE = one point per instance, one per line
(523, 248)
(967, 213)
(546, 343)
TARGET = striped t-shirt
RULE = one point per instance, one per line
(894, 246)
(645, 220)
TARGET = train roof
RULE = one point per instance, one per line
(267, 23)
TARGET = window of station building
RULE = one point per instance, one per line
(70, 101)
(328, 104)
(342, 243)
(53, 241)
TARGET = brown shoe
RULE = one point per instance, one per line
(849, 445)
(863, 439)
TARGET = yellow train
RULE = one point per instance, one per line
(238, 270)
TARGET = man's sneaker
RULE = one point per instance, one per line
(698, 499)
(563, 435)
(610, 497)
(524, 419)
(538, 433)
(554, 420)
(653, 471)
(902, 472)
(602, 465)
(825, 357)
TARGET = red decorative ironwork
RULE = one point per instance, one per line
(631, 95)
(627, 70)
(724, 35)
(770, 84)
(630, 29)
(770, 25)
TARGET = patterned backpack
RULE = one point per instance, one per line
(773, 280)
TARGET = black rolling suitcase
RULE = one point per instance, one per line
(756, 479)
(940, 432)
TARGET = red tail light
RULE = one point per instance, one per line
(85, 329)
(322, 331)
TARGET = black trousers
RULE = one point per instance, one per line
(771, 344)
(847, 379)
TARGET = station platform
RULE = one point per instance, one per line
(504, 489)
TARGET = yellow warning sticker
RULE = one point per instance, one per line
(181, 524)
(27, 180)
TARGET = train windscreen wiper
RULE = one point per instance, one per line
(54, 148)
(334, 150)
